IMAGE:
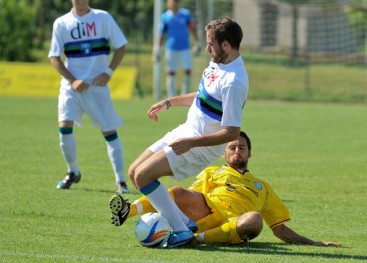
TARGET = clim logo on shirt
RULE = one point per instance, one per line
(83, 29)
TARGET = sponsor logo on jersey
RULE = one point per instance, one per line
(83, 30)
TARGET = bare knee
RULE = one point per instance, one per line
(178, 190)
(131, 172)
(249, 225)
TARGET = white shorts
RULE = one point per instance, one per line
(95, 102)
(188, 164)
(173, 58)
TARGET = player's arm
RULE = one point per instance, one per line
(117, 57)
(227, 134)
(288, 235)
(103, 78)
(76, 84)
(183, 100)
(60, 67)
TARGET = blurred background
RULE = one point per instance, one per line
(298, 50)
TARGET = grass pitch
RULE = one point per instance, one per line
(314, 156)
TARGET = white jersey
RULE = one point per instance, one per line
(221, 96)
(86, 41)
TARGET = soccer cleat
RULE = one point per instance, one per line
(180, 238)
(120, 209)
(122, 188)
(70, 178)
(192, 226)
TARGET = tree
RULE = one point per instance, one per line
(17, 29)
(357, 15)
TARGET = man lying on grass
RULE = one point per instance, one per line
(227, 203)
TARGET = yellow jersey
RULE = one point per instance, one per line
(234, 194)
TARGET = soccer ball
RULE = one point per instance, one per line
(152, 230)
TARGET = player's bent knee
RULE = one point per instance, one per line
(249, 225)
(131, 173)
(177, 190)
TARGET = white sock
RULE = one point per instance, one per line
(116, 156)
(68, 149)
(183, 217)
(200, 238)
(186, 85)
(139, 207)
(171, 86)
(164, 204)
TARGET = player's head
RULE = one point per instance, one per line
(222, 36)
(226, 29)
(238, 152)
(80, 7)
(173, 5)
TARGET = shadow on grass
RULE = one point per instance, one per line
(133, 193)
(268, 248)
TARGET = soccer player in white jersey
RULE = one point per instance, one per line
(229, 204)
(85, 35)
(214, 118)
(175, 27)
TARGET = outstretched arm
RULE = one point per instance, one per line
(183, 100)
(288, 235)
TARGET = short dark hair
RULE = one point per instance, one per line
(226, 29)
(248, 141)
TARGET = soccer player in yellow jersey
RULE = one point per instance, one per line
(228, 204)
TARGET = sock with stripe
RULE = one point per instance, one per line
(160, 199)
(68, 148)
(116, 156)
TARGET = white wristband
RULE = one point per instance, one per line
(109, 71)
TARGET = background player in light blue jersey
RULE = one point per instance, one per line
(175, 26)
(84, 36)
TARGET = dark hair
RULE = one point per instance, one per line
(226, 29)
(248, 141)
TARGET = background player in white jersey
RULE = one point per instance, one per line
(229, 204)
(175, 27)
(84, 35)
(214, 118)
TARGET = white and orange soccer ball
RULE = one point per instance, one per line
(152, 230)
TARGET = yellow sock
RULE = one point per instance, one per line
(225, 233)
(144, 205)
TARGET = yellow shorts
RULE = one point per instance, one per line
(215, 219)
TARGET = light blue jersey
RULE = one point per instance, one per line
(176, 27)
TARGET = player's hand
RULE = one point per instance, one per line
(79, 85)
(102, 79)
(158, 107)
(181, 146)
(327, 244)
(196, 49)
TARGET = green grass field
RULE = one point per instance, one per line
(314, 155)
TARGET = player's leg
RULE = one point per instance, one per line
(172, 60)
(144, 156)
(190, 202)
(98, 105)
(146, 178)
(69, 151)
(249, 225)
(186, 58)
(241, 229)
(116, 156)
(68, 112)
